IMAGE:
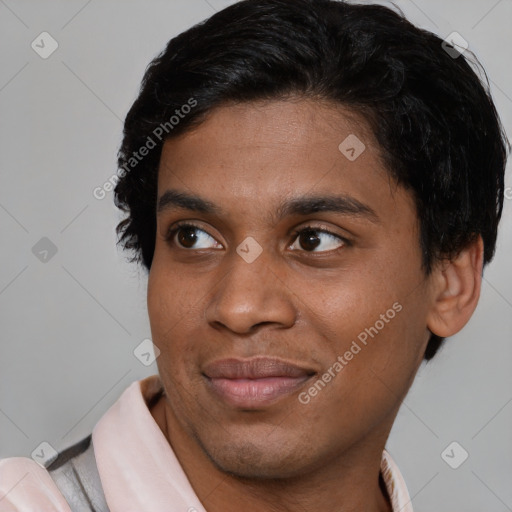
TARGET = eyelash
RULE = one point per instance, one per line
(172, 232)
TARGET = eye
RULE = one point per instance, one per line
(311, 238)
(189, 236)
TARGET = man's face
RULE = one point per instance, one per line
(291, 318)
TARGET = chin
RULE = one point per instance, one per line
(257, 460)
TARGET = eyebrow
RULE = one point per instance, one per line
(343, 204)
(304, 205)
(174, 199)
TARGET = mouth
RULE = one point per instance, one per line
(256, 382)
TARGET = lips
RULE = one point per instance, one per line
(253, 383)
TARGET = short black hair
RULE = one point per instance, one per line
(433, 117)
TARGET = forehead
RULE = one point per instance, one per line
(263, 151)
(299, 127)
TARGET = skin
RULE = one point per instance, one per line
(300, 303)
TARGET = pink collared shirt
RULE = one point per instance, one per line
(138, 468)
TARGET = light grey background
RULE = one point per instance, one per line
(70, 325)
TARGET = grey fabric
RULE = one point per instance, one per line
(76, 475)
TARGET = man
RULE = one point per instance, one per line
(314, 188)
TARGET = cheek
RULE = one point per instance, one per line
(167, 309)
(347, 305)
(373, 363)
(375, 314)
(170, 297)
(175, 313)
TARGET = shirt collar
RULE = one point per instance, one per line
(127, 436)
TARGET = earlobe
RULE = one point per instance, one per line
(456, 290)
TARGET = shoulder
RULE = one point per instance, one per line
(25, 486)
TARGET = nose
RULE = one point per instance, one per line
(251, 295)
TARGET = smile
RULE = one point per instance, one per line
(256, 382)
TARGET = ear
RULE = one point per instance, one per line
(456, 287)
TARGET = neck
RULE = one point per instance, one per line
(348, 482)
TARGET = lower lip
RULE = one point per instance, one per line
(254, 393)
